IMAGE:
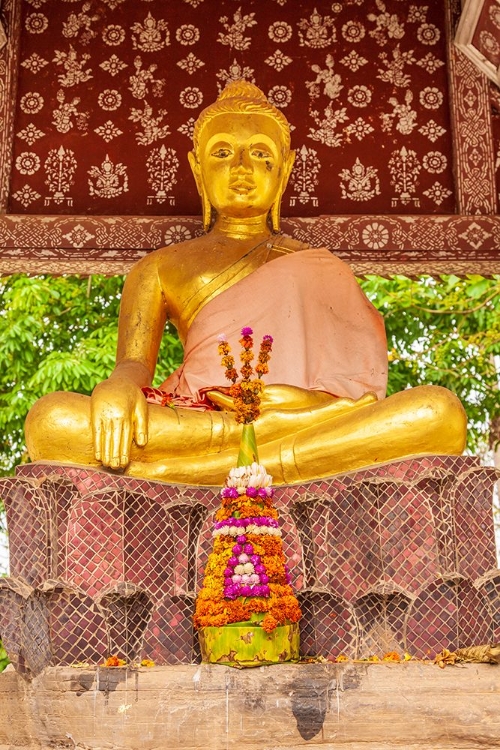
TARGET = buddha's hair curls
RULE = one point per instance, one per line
(241, 97)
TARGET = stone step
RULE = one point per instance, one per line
(351, 706)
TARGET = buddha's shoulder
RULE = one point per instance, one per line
(288, 244)
(171, 253)
(182, 248)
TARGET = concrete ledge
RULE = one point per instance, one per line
(352, 706)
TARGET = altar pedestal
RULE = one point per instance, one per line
(394, 557)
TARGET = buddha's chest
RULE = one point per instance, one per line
(197, 277)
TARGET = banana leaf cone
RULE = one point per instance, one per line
(248, 446)
(246, 644)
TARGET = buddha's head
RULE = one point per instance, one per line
(241, 159)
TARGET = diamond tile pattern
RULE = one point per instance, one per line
(393, 557)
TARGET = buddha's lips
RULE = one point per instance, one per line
(241, 186)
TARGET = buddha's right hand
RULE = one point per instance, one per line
(119, 415)
(292, 398)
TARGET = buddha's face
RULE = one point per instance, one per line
(241, 164)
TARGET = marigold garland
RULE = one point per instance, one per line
(247, 394)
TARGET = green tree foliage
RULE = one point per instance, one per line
(4, 659)
(57, 333)
(446, 332)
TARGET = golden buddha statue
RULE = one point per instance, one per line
(323, 410)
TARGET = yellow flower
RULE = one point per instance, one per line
(392, 656)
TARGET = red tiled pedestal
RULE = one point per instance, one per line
(400, 556)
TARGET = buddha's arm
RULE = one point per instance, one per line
(118, 407)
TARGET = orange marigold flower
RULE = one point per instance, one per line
(114, 661)
(269, 623)
(391, 656)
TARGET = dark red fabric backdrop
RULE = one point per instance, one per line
(108, 93)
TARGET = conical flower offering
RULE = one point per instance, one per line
(246, 611)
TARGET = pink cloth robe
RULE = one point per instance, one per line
(327, 334)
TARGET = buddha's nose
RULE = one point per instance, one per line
(243, 161)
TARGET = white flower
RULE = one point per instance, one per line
(31, 103)
(108, 131)
(190, 64)
(359, 128)
(30, 134)
(278, 60)
(353, 31)
(437, 193)
(34, 63)
(187, 34)
(431, 98)
(427, 33)
(494, 12)
(430, 63)
(432, 130)
(109, 99)
(353, 61)
(435, 162)
(280, 31)
(113, 66)
(28, 162)
(78, 237)
(36, 23)
(280, 96)
(417, 13)
(242, 477)
(375, 235)
(359, 96)
(489, 43)
(191, 97)
(26, 195)
(113, 35)
(177, 233)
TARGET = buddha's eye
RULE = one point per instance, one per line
(261, 153)
(221, 153)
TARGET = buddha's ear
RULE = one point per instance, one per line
(195, 169)
(276, 207)
(289, 162)
(206, 208)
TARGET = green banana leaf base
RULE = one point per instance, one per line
(248, 645)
